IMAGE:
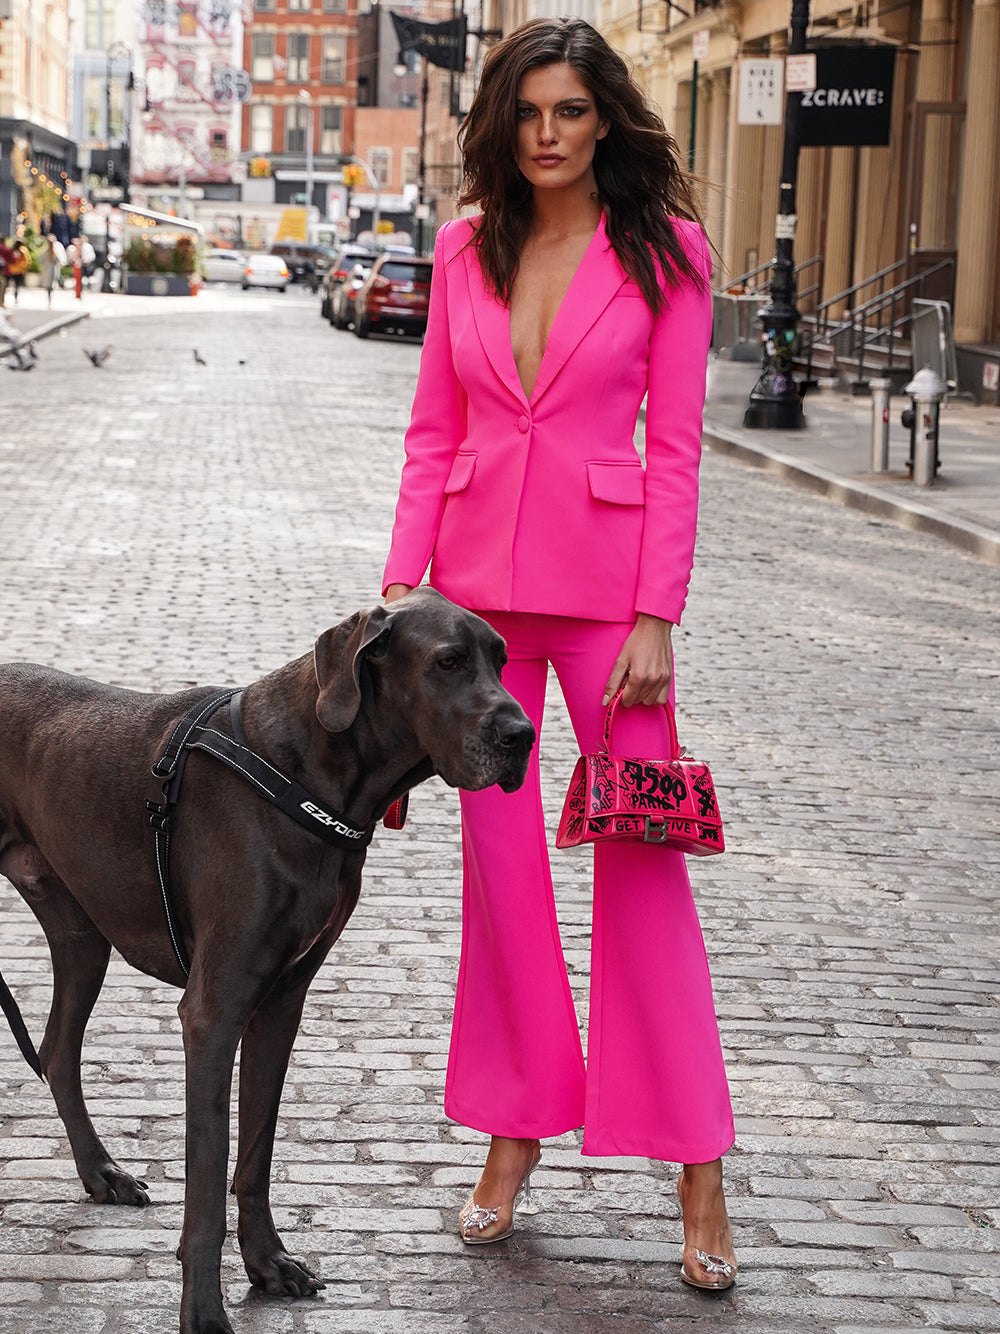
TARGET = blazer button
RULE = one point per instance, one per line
(523, 424)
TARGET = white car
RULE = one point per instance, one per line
(223, 266)
(265, 271)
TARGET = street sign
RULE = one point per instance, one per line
(699, 45)
(761, 99)
(800, 72)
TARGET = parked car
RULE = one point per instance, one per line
(342, 312)
(347, 255)
(394, 296)
(266, 271)
(306, 262)
(223, 266)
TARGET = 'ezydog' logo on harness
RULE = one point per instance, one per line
(324, 817)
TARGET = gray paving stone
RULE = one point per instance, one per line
(853, 939)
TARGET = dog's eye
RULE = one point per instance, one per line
(448, 664)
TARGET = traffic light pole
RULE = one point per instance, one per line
(775, 402)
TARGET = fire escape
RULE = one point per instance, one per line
(191, 85)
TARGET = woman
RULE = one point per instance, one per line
(552, 314)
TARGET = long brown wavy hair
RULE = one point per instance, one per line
(639, 178)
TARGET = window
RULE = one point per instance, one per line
(411, 164)
(299, 5)
(187, 18)
(261, 127)
(186, 75)
(380, 161)
(334, 57)
(262, 58)
(297, 68)
(264, 5)
(296, 118)
(331, 130)
(334, 6)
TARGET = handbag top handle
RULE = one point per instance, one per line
(675, 748)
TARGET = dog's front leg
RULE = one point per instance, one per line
(212, 1017)
(264, 1055)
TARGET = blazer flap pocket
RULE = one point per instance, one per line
(618, 483)
(461, 473)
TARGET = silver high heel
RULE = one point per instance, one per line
(474, 1220)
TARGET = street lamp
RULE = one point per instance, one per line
(774, 400)
(114, 52)
(305, 97)
(420, 211)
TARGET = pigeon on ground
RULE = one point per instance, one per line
(97, 358)
(199, 358)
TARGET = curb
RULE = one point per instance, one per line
(53, 326)
(962, 533)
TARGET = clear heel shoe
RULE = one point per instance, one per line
(474, 1221)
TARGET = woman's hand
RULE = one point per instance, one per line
(646, 660)
(396, 591)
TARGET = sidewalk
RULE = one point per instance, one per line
(832, 455)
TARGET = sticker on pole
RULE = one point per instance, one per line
(800, 72)
(784, 227)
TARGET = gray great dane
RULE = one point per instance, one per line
(387, 698)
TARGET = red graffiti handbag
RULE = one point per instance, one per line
(670, 802)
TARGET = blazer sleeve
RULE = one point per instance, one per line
(678, 363)
(437, 427)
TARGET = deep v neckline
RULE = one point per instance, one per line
(555, 319)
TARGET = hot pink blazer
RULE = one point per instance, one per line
(543, 505)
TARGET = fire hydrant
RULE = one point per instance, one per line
(926, 391)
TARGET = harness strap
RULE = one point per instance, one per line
(191, 734)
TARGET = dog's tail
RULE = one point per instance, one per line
(9, 1006)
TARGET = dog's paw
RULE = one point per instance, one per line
(282, 1275)
(109, 1184)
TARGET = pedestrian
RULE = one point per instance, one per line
(6, 255)
(581, 285)
(17, 266)
(52, 259)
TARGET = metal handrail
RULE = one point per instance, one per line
(744, 278)
(878, 277)
(858, 322)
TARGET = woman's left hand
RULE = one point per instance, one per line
(646, 660)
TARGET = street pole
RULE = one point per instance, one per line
(775, 403)
(305, 96)
(422, 161)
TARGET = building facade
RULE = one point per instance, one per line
(185, 113)
(37, 152)
(302, 60)
(931, 192)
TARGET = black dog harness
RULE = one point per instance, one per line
(282, 791)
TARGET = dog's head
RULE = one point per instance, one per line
(435, 668)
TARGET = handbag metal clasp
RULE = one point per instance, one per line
(655, 833)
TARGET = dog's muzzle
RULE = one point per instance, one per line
(497, 753)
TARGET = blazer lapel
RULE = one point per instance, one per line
(594, 284)
(493, 322)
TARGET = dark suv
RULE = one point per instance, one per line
(306, 262)
(395, 295)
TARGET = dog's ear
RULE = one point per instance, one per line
(338, 656)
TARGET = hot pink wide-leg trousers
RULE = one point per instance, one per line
(653, 1084)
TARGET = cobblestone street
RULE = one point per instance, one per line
(168, 523)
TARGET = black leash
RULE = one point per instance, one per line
(191, 734)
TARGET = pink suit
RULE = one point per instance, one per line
(538, 514)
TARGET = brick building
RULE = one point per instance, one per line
(302, 59)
